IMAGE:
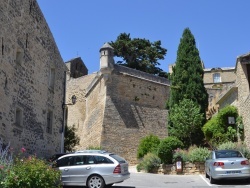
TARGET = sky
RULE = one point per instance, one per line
(81, 27)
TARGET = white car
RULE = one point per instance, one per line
(226, 164)
(94, 169)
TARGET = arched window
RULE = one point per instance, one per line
(216, 77)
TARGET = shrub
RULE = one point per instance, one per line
(198, 154)
(6, 160)
(227, 145)
(31, 172)
(148, 144)
(240, 146)
(180, 153)
(166, 148)
(71, 138)
(94, 148)
(149, 163)
(218, 130)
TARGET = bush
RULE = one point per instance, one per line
(6, 161)
(167, 147)
(148, 144)
(31, 172)
(217, 130)
(149, 163)
(198, 154)
(240, 146)
(227, 145)
(180, 153)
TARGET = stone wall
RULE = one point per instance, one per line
(28, 53)
(76, 67)
(188, 169)
(242, 83)
(227, 76)
(115, 110)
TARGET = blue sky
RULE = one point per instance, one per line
(81, 27)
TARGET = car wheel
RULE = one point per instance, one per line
(211, 179)
(207, 176)
(95, 181)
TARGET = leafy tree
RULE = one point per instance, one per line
(140, 54)
(217, 130)
(186, 121)
(187, 76)
(187, 82)
(71, 139)
(148, 144)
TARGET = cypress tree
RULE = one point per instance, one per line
(187, 76)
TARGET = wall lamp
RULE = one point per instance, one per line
(73, 99)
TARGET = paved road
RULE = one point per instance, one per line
(147, 180)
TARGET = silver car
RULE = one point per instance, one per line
(94, 169)
(222, 164)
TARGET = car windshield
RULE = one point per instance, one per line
(117, 158)
(227, 154)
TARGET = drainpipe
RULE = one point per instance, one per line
(64, 112)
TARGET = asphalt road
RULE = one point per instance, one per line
(148, 180)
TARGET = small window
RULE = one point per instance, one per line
(49, 122)
(248, 74)
(216, 77)
(19, 57)
(19, 117)
(52, 79)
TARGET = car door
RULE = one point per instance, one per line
(63, 164)
(81, 168)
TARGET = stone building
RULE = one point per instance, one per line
(32, 77)
(243, 85)
(76, 67)
(117, 106)
(216, 81)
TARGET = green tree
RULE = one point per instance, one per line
(186, 121)
(187, 78)
(71, 139)
(140, 54)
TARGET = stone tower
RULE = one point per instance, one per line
(106, 56)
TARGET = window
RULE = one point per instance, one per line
(19, 57)
(216, 77)
(19, 117)
(248, 74)
(103, 160)
(49, 122)
(52, 79)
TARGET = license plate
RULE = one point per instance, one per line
(234, 172)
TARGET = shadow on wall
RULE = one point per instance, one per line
(131, 114)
